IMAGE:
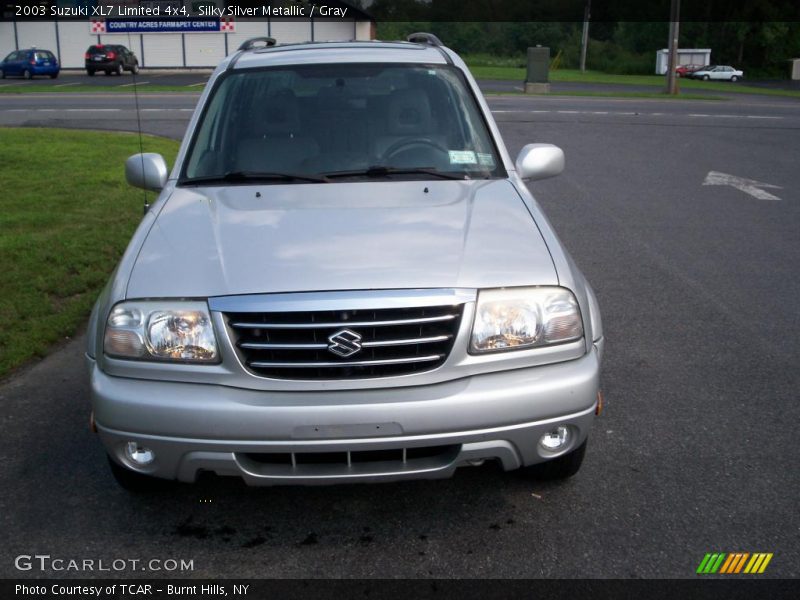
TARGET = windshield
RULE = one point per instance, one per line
(338, 122)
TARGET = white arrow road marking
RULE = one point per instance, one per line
(748, 186)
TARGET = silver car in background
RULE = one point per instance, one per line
(343, 279)
(717, 73)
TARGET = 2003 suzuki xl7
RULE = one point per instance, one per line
(343, 279)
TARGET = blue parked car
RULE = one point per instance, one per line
(29, 63)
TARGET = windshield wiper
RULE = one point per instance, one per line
(382, 171)
(255, 177)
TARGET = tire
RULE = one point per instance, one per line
(135, 68)
(27, 74)
(119, 70)
(108, 73)
(54, 76)
(706, 77)
(559, 468)
(735, 78)
(2, 74)
(90, 72)
(136, 482)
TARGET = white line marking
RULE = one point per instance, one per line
(524, 112)
(135, 83)
(92, 109)
(66, 84)
(196, 84)
(620, 113)
(748, 186)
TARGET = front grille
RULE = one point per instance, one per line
(325, 344)
(396, 455)
(354, 463)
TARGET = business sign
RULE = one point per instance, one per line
(207, 25)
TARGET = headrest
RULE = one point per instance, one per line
(409, 113)
(281, 115)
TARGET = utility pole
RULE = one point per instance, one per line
(674, 33)
(585, 35)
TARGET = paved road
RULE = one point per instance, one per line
(167, 114)
(195, 77)
(697, 450)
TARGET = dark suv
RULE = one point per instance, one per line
(111, 58)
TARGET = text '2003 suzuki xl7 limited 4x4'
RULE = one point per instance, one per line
(343, 279)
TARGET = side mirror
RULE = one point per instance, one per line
(148, 171)
(540, 161)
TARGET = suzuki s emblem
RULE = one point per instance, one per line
(344, 343)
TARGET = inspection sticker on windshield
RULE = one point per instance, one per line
(462, 157)
(487, 160)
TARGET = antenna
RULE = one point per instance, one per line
(138, 124)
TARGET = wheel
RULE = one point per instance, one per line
(135, 69)
(2, 74)
(53, 75)
(735, 78)
(90, 72)
(108, 73)
(119, 70)
(27, 74)
(136, 482)
(706, 77)
(562, 467)
(403, 145)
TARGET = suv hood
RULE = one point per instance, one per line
(216, 241)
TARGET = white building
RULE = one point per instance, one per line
(194, 41)
(693, 56)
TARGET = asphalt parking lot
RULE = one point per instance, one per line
(187, 78)
(696, 451)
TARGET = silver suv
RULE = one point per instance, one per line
(344, 279)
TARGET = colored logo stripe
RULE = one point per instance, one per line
(758, 563)
(733, 562)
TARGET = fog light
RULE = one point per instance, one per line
(139, 455)
(556, 439)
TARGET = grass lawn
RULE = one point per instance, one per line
(66, 215)
(484, 71)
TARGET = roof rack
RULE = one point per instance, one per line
(253, 43)
(424, 38)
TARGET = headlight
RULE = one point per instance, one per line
(172, 331)
(520, 318)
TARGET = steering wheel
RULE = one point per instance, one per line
(401, 145)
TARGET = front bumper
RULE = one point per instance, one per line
(434, 428)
